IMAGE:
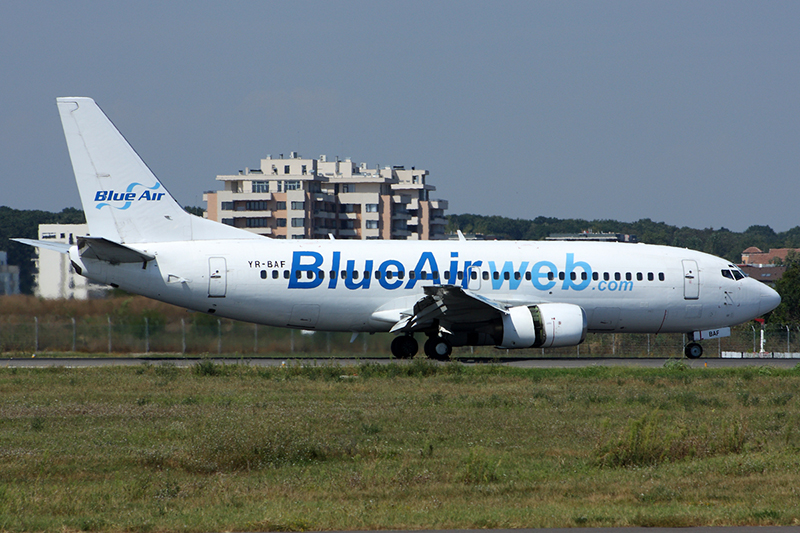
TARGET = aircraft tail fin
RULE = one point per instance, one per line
(123, 200)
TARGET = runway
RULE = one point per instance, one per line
(88, 362)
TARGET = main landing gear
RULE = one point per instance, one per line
(404, 347)
(436, 347)
(693, 350)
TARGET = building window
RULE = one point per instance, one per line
(260, 186)
(372, 208)
(227, 206)
(286, 169)
(256, 205)
(281, 222)
(372, 224)
(298, 222)
(280, 206)
(348, 187)
(291, 185)
(303, 170)
(227, 221)
(298, 205)
(298, 236)
(257, 222)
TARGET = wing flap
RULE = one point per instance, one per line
(447, 305)
(60, 247)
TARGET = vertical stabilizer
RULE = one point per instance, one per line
(123, 200)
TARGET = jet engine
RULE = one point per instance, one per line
(545, 325)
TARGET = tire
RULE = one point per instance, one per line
(404, 347)
(693, 350)
(438, 348)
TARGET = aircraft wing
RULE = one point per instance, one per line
(449, 304)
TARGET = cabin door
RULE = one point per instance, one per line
(217, 277)
(691, 280)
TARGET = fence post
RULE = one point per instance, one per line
(183, 336)
(291, 345)
(328, 341)
(219, 336)
(36, 334)
(648, 345)
(74, 333)
(108, 317)
(146, 335)
(255, 341)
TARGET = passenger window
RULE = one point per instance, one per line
(286, 274)
(606, 276)
(628, 276)
(639, 276)
(377, 274)
(447, 275)
(617, 276)
(496, 275)
(517, 275)
(310, 275)
(595, 276)
(561, 276)
(584, 275)
(506, 275)
(321, 274)
(486, 276)
(727, 274)
(263, 274)
(649, 276)
(460, 275)
(412, 274)
(344, 274)
(366, 274)
(389, 274)
(473, 274)
(435, 274)
(355, 274)
(423, 275)
(275, 274)
(550, 276)
(660, 276)
(573, 276)
(401, 275)
(298, 274)
(527, 276)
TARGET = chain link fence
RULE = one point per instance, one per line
(205, 334)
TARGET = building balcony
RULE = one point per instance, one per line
(239, 213)
(439, 221)
(401, 216)
(348, 233)
(327, 215)
(348, 216)
(439, 204)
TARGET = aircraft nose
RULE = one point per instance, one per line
(768, 299)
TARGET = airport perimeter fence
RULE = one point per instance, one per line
(207, 335)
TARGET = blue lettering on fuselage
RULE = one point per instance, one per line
(308, 271)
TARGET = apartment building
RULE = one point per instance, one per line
(9, 276)
(297, 198)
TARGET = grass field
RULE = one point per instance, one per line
(413, 445)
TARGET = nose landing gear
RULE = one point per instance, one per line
(693, 350)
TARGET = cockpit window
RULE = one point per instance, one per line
(727, 274)
(738, 274)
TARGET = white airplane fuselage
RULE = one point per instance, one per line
(623, 287)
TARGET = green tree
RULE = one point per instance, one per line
(788, 312)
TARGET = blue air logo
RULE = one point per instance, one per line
(129, 196)
(309, 271)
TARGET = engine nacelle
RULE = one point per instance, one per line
(544, 325)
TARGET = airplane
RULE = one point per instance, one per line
(508, 294)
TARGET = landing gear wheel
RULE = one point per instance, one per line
(693, 350)
(404, 347)
(438, 348)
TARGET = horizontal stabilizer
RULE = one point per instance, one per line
(105, 250)
(59, 247)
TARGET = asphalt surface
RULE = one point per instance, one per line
(42, 362)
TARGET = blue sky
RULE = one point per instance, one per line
(681, 112)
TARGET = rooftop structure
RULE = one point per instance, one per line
(299, 198)
(9, 276)
(754, 256)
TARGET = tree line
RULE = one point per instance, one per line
(721, 242)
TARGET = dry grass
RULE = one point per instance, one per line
(157, 448)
